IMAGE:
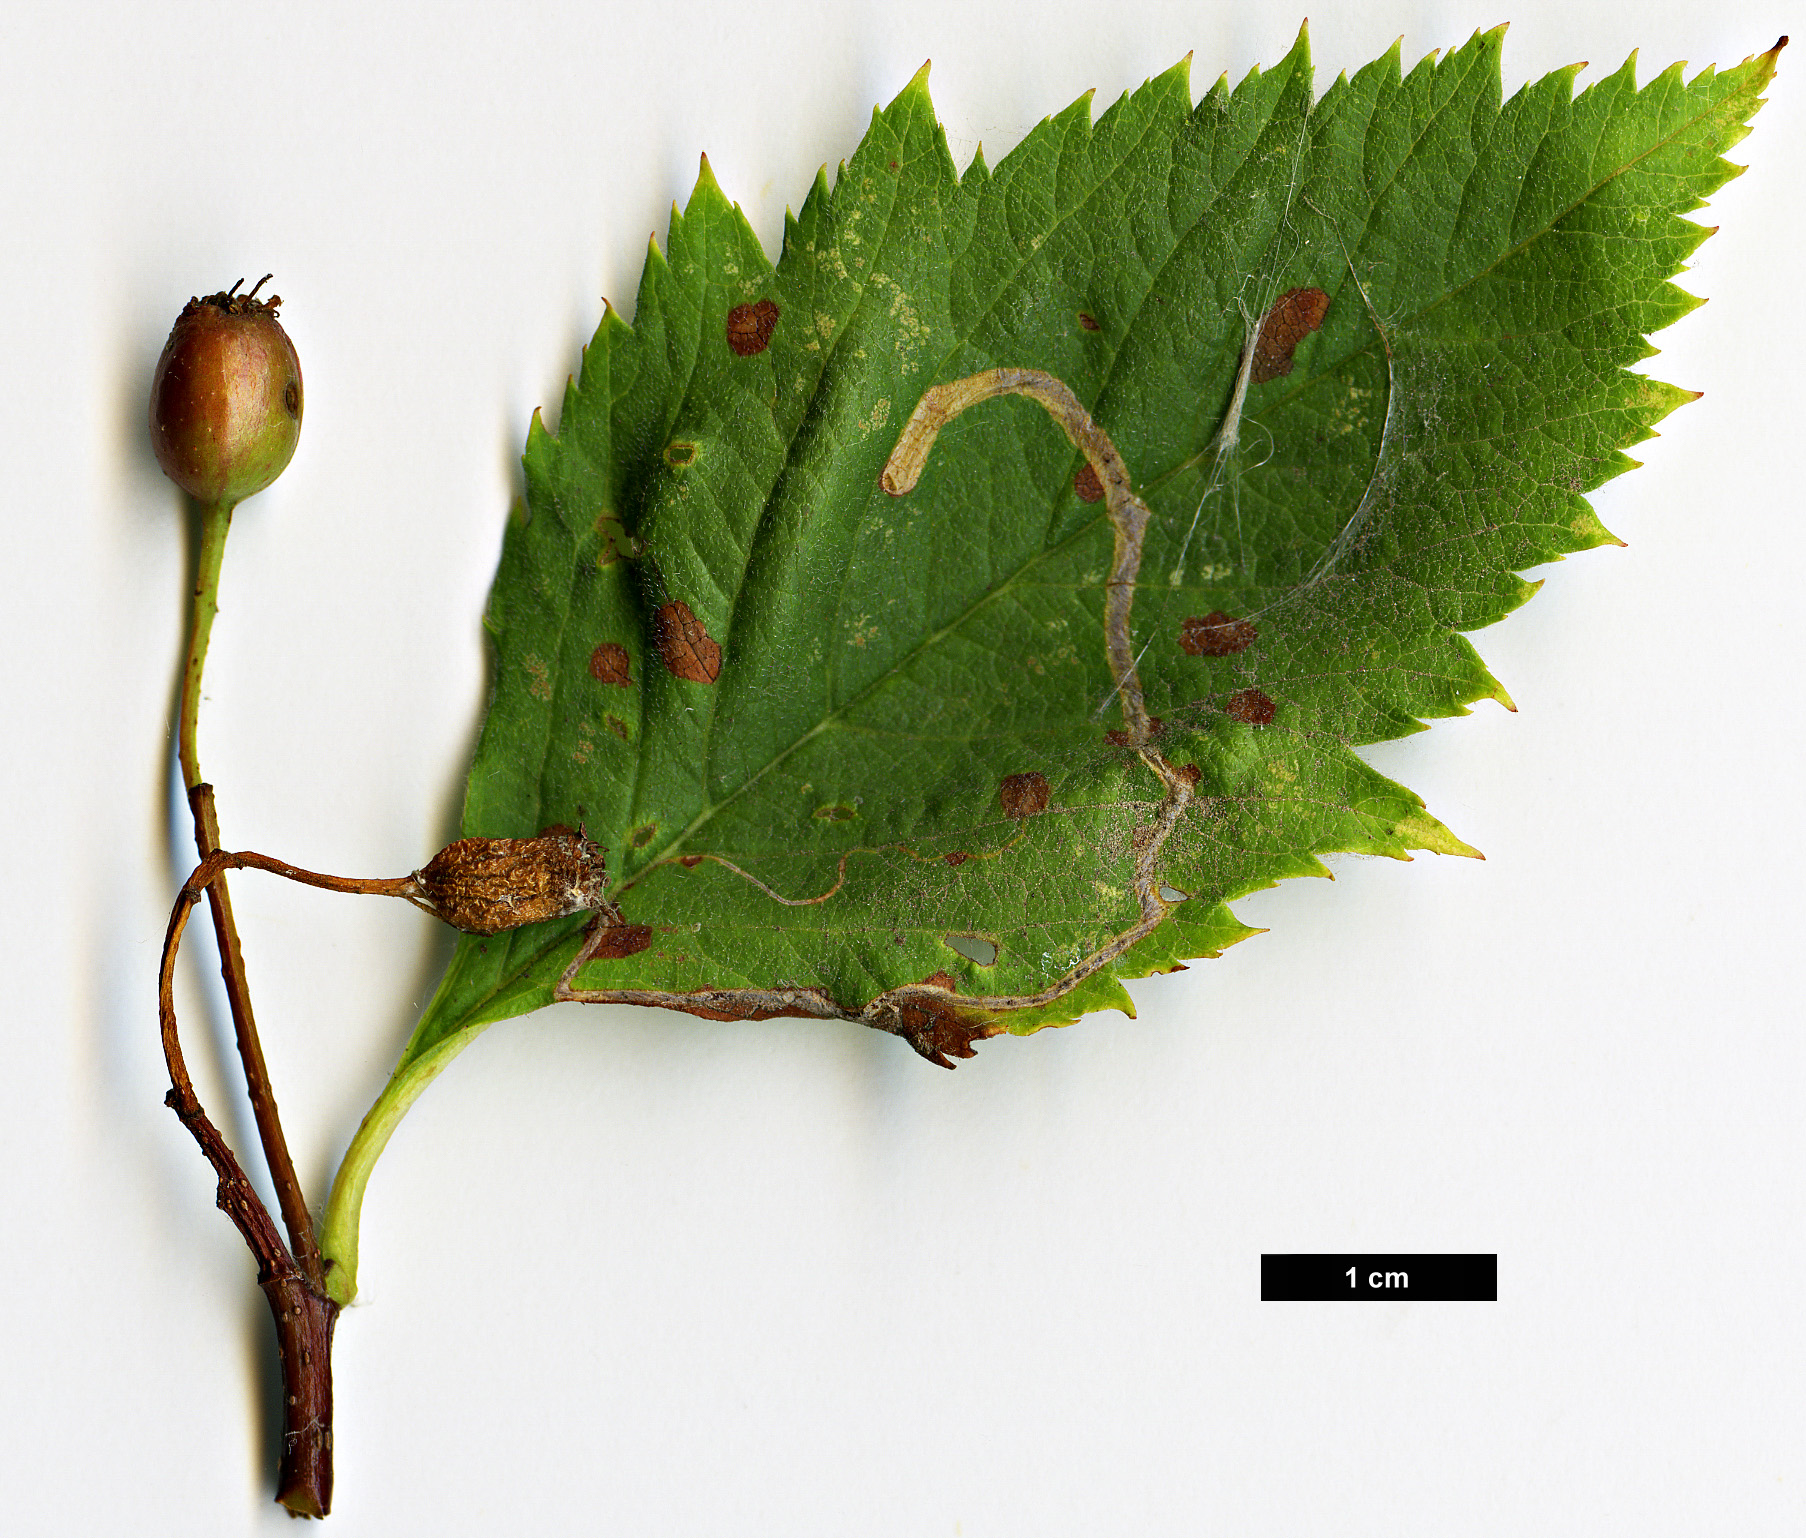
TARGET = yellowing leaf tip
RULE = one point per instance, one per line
(1422, 831)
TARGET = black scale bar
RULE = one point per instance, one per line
(1379, 1278)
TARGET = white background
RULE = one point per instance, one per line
(641, 1274)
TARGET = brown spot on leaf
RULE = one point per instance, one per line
(1089, 322)
(1023, 795)
(939, 1031)
(608, 664)
(749, 327)
(690, 861)
(618, 940)
(1192, 773)
(958, 857)
(679, 453)
(941, 980)
(1117, 737)
(1250, 706)
(1295, 315)
(688, 650)
(616, 725)
(1086, 484)
(1216, 635)
(643, 835)
(835, 811)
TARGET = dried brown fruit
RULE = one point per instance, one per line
(486, 885)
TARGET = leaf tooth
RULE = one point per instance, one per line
(1419, 830)
(706, 196)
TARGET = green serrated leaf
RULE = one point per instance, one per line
(793, 706)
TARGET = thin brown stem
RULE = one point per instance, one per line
(303, 1315)
(216, 524)
(295, 1216)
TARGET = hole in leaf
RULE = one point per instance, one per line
(1172, 894)
(643, 835)
(974, 948)
(679, 454)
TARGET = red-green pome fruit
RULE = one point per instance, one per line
(225, 406)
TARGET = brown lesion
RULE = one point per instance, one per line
(1251, 707)
(1216, 634)
(1294, 316)
(1023, 795)
(617, 941)
(940, 1031)
(1117, 738)
(749, 327)
(685, 645)
(610, 664)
